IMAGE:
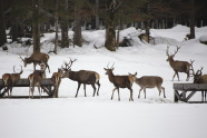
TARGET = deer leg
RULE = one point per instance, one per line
(174, 76)
(84, 87)
(131, 95)
(94, 89)
(32, 91)
(159, 89)
(177, 76)
(163, 89)
(188, 76)
(29, 91)
(118, 94)
(79, 84)
(47, 67)
(145, 93)
(39, 91)
(112, 95)
(139, 92)
(98, 88)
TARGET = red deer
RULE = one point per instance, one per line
(179, 66)
(82, 77)
(36, 58)
(150, 82)
(200, 78)
(120, 82)
(56, 79)
(11, 78)
(35, 79)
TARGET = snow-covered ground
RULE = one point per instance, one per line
(99, 116)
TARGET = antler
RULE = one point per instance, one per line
(21, 58)
(69, 64)
(167, 51)
(199, 72)
(111, 66)
(14, 69)
(176, 50)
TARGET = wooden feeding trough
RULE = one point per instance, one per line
(46, 85)
(185, 91)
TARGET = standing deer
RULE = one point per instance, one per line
(82, 77)
(120, 82)
(201, 79)
(150, 82)
(179, 66)
(35, 79)
(36, 58)
(56, 79)
(11, 78)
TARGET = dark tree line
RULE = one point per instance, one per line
(31, 19)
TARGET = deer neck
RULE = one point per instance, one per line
(171, 61)
(111, 76)
(73, 75)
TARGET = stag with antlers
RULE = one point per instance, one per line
(201, 79)
(125, 81)
(82, 77)
(179, 66)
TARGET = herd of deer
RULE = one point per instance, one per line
(92, 78)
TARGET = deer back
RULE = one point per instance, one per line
(40, 57)
(181, 66)
(84, 76)
(201, 79)
(149, 81)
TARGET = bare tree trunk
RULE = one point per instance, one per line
(192, 21)
(111, 42)
(2, 25)
(64, 27)
(56, 26)
(77, 38)
(97, 14)
(36, 26)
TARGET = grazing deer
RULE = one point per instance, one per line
(179, 66)
(35, 79)
(150, 82)
(11, 78)
(82, 77)
(36, 58)
(200, 78)
(56, 79)
(120, 82)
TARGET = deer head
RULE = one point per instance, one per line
(171, 57)
(24, 60)
(197, 75)
(67, 67)
(109, 69)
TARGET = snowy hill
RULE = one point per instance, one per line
(99, 116)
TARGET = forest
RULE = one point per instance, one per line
(34, 18)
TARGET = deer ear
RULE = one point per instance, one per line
(105, 69)
(135, 74)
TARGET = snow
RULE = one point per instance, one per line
(101, 117)
(203, 38)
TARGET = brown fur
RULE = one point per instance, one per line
(56, 79)
(84, 77)
(9, 79)
(201, 79)
(179, 66)
(150, 82)
(37, 58)
(120, 82)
